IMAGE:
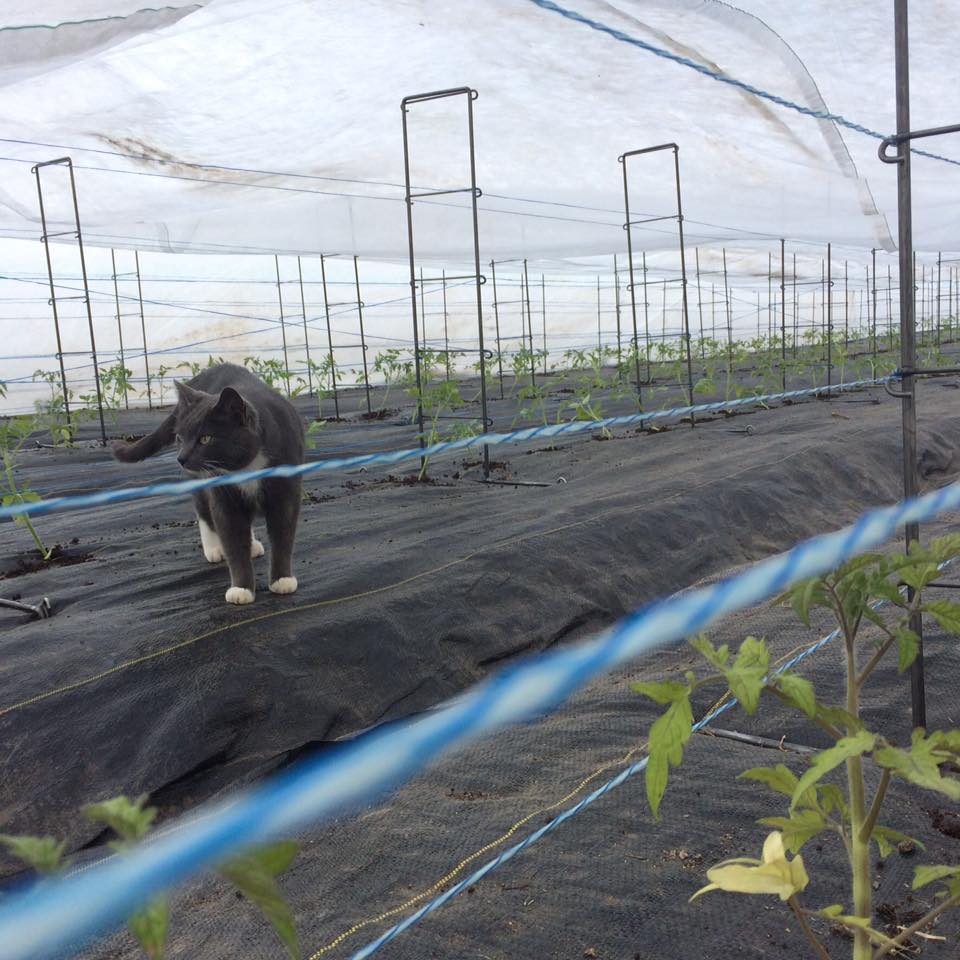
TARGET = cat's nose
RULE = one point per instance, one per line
(181, 460)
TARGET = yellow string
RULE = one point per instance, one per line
(446, 878)
(127, 664)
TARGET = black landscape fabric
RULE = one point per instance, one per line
(144, 680)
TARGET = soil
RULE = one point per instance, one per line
(25, 563)
(144, 680)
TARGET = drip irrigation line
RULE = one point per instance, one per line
(187, 487)
(63, 914)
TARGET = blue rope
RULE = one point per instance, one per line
(63, 914)
(374, 945)
(186, 487)
(723, 78)
(602, 790)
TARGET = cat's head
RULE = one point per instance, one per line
(215, 434)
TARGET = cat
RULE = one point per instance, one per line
(227, 420)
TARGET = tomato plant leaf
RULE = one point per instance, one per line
(779, 778)
(799, 691)
(827, 760)
(668, 737)
(798, 828)
(44, 854)
(253, 874)
(150, 925)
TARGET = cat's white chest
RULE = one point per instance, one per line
(251, 489)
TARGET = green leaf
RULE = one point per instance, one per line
(921, 763)
(668, 736)
(747, 676)
(945, 548)
(798, 828)
(830, 797)
(827, 760)
(799, 692)
(666, 691)
(804, 595)
(42, 853)
(779, 778)
(887, 838)
(908, 646)
(129, 819)
(919, 574)
(925, 874)
(716, 656)
(838, 717)
(253, 875)
(150, 926)
(834, 910)
(947, 614)
(885, 589)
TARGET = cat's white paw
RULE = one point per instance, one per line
(284, 585)
(239, 595)
(256, 549)
(212, 548)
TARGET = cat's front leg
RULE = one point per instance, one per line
(281, 507)
(233, 527)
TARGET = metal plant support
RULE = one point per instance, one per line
(908, 351)
(627, 226)
(119, 317)
(283, 327)
(469, 96)
(330, 359)
(306, 334)
(85, 297)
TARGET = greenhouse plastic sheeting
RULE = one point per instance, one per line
(302, 99)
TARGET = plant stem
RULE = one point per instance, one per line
(807, 930)
(859, 849)
(919, 925)
(871, 820)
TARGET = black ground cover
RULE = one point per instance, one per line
(145, 681)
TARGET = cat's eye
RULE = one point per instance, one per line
(205, 439)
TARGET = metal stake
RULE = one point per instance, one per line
(529, 330)
(83, 271)
(143, 331)
(363, 338)
(543, 309)
(283, 326)
(330, 360)
(306, 335)
(116, 298)
(496, 320)
(783, 313)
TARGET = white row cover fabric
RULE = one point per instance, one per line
(302, 99)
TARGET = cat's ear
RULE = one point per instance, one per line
(186, 394)
(232, 405)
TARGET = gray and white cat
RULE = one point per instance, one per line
(227, 420)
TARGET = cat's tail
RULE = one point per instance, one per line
(147, 446)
